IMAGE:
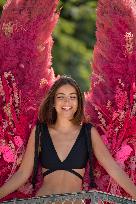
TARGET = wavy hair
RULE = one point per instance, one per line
(47, 112)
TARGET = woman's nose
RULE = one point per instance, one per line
(67, 99)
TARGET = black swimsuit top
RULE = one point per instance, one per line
(76, 159)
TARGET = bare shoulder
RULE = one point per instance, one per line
(33, 130)
(95, 137)
(94, 132)
(31, 140)
(32, 134)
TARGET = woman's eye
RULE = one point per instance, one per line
(60, 97)
(73, 97)
(66, 97)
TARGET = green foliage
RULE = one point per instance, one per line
(2, 2)
(74, 38)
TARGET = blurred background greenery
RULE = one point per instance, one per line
(74, 38)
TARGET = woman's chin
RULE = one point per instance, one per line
(67, 116)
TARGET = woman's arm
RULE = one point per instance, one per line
(105, 159)
(24, 171)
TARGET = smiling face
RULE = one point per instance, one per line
(66, 101)
(63, 99)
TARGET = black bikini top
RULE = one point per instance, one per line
(80, 153)
(76, 159)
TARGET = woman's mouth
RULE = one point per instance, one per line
(66, 108)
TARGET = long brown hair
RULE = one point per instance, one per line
(47, 112)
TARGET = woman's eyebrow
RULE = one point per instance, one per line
(60, 93)
(65, 94)
(73, 93)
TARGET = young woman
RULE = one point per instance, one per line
(63, 148)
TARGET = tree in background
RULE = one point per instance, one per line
(74, 39)
(2, 2)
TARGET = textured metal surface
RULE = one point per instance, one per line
(83, 197)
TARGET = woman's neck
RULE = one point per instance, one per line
(64, 125)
